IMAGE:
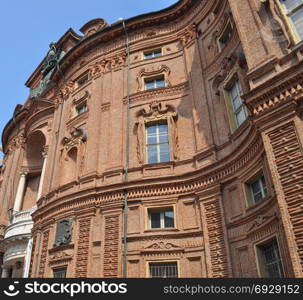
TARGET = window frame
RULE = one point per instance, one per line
(153, 51)
(60, 269)
(288, 16)
(80, 105)
(158, 144)
(237, 84)
(161, 211)
(260, 261)
(228, 27)
(147, 209)
(82, 79)
(250, 200)
(263, 189)
(227, 87)
(154, 79)
(149, 263)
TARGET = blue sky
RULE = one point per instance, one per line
(27, 28)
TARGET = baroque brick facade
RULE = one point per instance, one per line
(80, 140)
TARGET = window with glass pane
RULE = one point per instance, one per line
(163, 270)
(84, 79)
(226, 36)
(157, 143)
(59, 273)
(81, 109)
(239, 108)
(154, 83)
(152, 54)
(161, 218)
(258, 189)
(270, 260)
(294, 11)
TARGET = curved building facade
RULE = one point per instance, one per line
(165, 145)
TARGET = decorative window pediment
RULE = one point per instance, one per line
(144, 73)
(78, 137)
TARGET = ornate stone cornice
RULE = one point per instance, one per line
(161, 92)
(270, 100)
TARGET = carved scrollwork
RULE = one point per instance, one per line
(107, 64)
(68, 89)
(162, 246)
(78, 138)
(189, 34)
(18, 142)
(59, 257)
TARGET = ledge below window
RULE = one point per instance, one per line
(158, 169)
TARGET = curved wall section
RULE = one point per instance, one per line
(165, 161)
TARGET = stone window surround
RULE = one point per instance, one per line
(172, 206)
(257, 255)
(157, 113)
(60, 268)
(152, 50)
(84, 75)
(78, 102)
(234, 75)
(289, 23)
(223, 32)
(250, 177)
(158, 144)
(161, 211)
(144, 74)
(263, 188)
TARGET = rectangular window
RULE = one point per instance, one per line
(152, 54)
(80, 109)
(59, 273)
(154, 83)
(82, 80)
(163, 270)
(157, 143)
(294, 12)
(161, 218)
(226, 36)
(258, 189)
(239, 108)
(270, 260)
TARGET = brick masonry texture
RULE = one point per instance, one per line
(71, 144)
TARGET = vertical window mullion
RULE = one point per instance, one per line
(261, 187)
(158, 143)
(162, 219)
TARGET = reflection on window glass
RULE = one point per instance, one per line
(161, 218)
(239, 108)
(154, 83)
(294, 11)
(157, 143)
(152, 54)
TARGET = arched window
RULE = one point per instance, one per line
(33, 163)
